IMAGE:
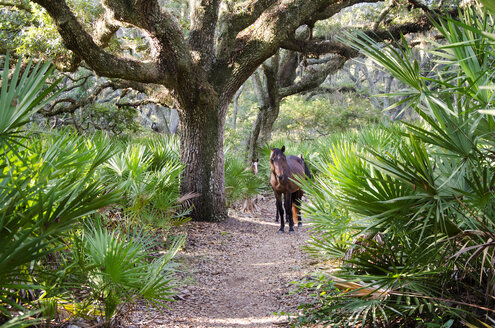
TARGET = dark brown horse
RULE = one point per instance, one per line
(285, 170)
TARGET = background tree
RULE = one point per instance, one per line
(310, 59)
(280, 82)
(90, 103)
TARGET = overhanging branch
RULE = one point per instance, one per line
(321, 47)
(20, 5)
(313, 77)
(74, 104)
(77, 39)
(262, 39)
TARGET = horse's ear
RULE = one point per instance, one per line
(282, 149)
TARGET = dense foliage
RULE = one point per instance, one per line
(408, 209)
(240, 181)
(309, 119)
(87, 221)
(55, 256)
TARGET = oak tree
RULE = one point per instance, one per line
(201, 69)
(200, 66)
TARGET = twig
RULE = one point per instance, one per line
(382, 15)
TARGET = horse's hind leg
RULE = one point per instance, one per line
(296, 207)
(295, 210)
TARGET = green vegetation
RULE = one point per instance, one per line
(408, 209)
(50, 261)
(90, 214)
(84, 219)
(115, 268)
(302, 119)
(147, 173)
(240, 181)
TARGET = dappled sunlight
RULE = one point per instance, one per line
(225, 321)
(258, 221)
(243, 322)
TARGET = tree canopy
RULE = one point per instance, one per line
(199, 63)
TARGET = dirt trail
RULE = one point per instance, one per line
(238, 274)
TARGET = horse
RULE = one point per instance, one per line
(285, 171)
(254, 166)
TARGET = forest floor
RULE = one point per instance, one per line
(237, 273)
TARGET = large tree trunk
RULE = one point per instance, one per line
(201, 142)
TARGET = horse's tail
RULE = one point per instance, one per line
(306, 168)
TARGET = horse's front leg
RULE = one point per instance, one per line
(288, 211)
(276, 206)
(280, 212)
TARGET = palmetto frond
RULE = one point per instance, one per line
(428, 191)
(45, 188)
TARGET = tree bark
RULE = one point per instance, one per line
(236, 107)
(269, 107)
(253, 142)
(174, 121)
(261, 95)
(271, 71)
(371, 85)
(201, 142)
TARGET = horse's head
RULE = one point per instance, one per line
(254, 166)
(278, 163)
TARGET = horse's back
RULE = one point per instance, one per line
(295, 165)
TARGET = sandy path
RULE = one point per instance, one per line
(238, 274)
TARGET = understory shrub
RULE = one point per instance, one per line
(52, 265)
(147, 171)
(43, 193)
(240, 180)
(103, 272)
(408, 210)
